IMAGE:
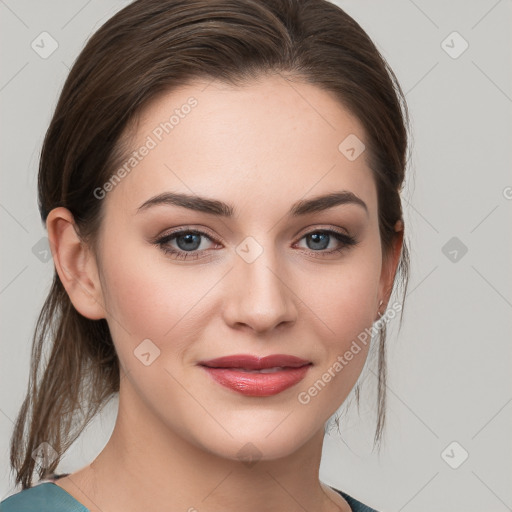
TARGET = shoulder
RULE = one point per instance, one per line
(43, 497)
(355, 505)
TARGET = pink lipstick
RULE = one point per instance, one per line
(257, 376)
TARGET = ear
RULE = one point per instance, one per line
(75, 264)
(390, 265)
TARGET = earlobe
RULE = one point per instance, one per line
(390, 266)
(75, 264)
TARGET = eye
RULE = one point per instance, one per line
(318, 241)
(188, 242)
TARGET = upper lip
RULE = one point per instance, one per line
(250, 362)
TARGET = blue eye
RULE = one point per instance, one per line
(189, 241)
(320, 240)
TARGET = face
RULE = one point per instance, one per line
(183, 285)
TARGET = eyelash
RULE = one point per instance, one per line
(347, 242)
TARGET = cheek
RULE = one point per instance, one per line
(344, 298)
(148, 297)
(343, 302)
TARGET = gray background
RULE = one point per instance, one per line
(449, 366)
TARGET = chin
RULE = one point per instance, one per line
(250, 444)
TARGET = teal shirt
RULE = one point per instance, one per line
(49, 497)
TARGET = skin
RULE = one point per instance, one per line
(260, 147)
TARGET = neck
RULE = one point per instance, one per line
(146, 462)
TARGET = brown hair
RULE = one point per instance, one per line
(147, 48)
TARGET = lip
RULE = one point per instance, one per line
(240, 373)
(250, 362)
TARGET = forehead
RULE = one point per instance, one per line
(270, 140)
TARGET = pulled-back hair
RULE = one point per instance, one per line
(148, 48)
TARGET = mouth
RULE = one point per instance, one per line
(257, 376)
(274, 369)
(250, 362)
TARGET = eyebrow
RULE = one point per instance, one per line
(221, 209)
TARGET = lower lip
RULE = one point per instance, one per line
(258, 384)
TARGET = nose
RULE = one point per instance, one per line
(259, 295)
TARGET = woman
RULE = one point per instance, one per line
(221, 187)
